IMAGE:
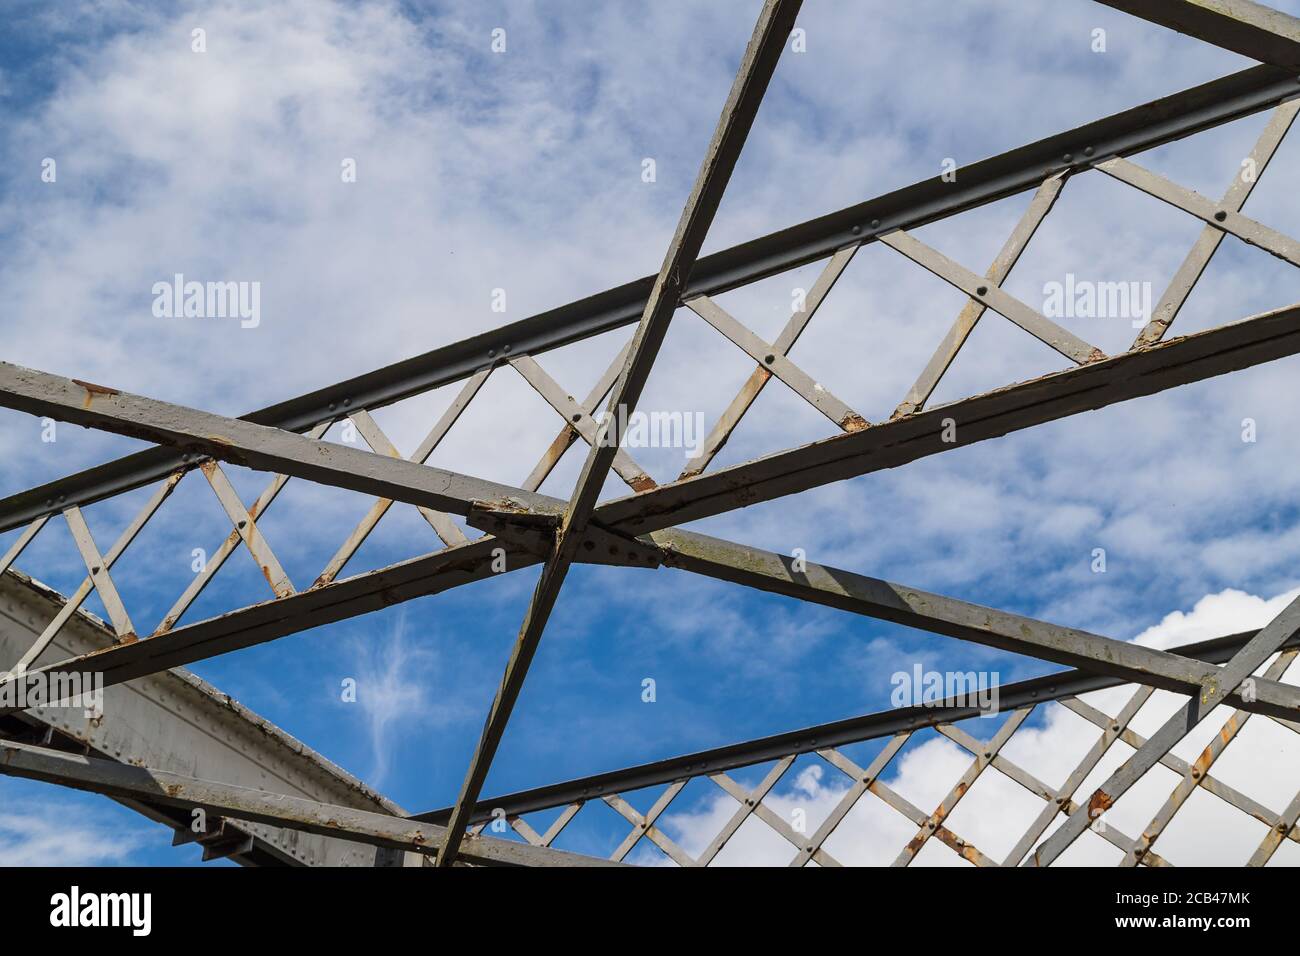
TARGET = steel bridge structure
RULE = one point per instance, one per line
(169, 744)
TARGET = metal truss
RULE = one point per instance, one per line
(1244, 672)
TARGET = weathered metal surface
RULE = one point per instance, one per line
(1208, 242)
(260, 806)
(1228, 220)
(532, 527)
(276, 450)
(885, 445)
(775, 21)
(759, 378)
(1242, 26)
(899, 721)
(1042, 203)
(938, 614)
(991, 297)
(1122, 134)
(774, 360)
(1245, 662)
(173, 720)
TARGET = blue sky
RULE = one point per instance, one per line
(522, 171)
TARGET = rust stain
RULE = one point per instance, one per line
(92, 390)
(854, 423)
(643, 483)
(1101, 802)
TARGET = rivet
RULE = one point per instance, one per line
(856, 230)
(770, 359)
(1087, 150)
(982, 290)
(1220, 216)
(875, 224)
(1069, 158)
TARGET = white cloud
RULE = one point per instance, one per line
(57, 833)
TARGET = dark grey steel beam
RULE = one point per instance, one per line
(175, 721)
(1253, 655)
(199, 434)
(1129, 375)
(1241, 26)
(1174, 362)
(836, 734)
(939, 614)
(1007, 174)
(321, 605)
(775, 22)
(127, 782)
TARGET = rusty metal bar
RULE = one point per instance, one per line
(1177, 361)
(1129, 132)
(988, 294)
(217, 559)
(813, 739)
(1241, 26)
(125, 781)
(1214, 692)
(1042, 203)
(98, 569)
(1207, 244)
(775, 22)
(772, 358)
(759, 378)
(258, 547)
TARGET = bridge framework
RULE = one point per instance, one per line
(317, 814)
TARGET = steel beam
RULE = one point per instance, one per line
(173, 720)
(840, 733)
(1122, 134)
(1241, 26)
(775, 22)
(993, 414)
(198, 434)
(1215, 691)
(124, 781)
(889, 444)
(938, 614)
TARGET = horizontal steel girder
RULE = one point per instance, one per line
(963, 620)
(241, 803)
(175, 721)
(1173, 362)
(1241, 26)
(839, 733)
(931, 199)
(261, 447)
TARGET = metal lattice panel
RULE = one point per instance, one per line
(1244, 672)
